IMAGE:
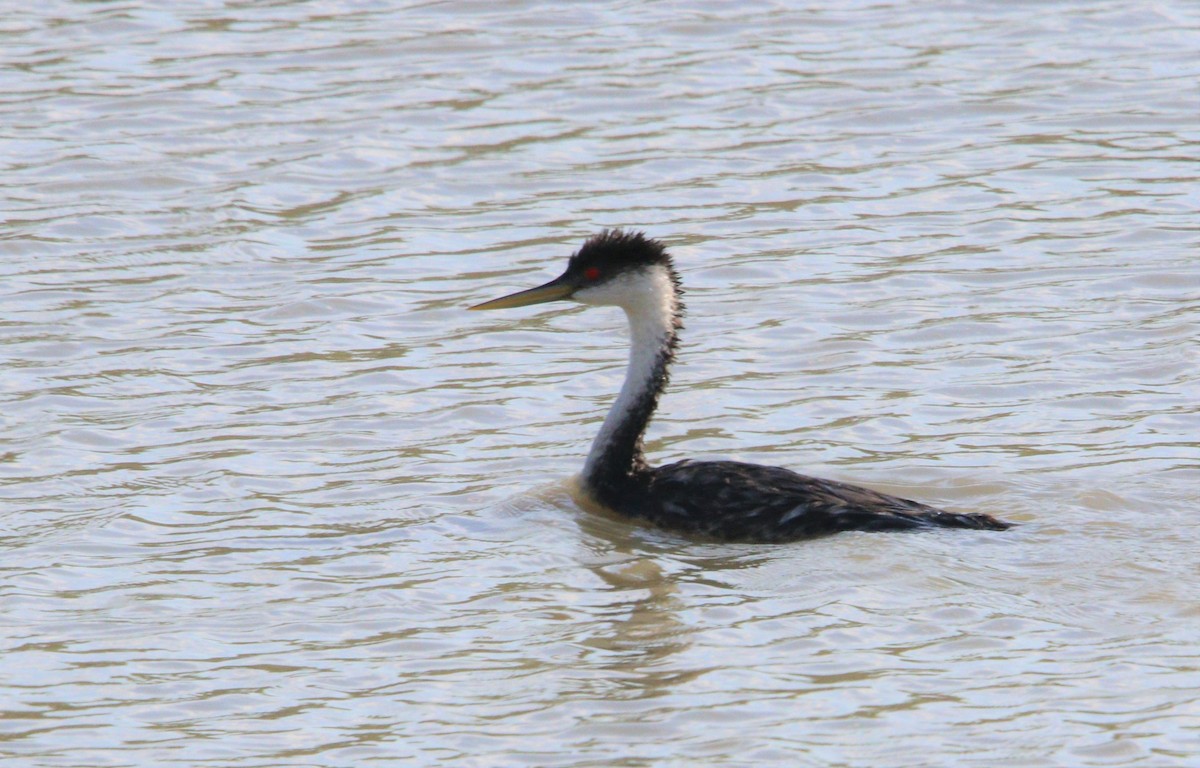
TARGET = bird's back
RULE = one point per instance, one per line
(733, 501)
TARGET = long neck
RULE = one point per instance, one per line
(654, 313)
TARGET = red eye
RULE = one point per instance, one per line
(591, 273)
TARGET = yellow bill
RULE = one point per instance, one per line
(556, 289)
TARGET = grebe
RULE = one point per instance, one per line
(726, 500)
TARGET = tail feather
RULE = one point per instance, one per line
(975, 520)
(913, 519)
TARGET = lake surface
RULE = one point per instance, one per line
(269, 496)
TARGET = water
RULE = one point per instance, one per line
(271, 497)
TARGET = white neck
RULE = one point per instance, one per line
(651, 306)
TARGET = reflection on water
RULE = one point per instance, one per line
(269, 496)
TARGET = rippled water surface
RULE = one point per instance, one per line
(270, 496)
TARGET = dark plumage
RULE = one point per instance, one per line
(734, 501)
(725, 500)
(615, 250)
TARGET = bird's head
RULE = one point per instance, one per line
(613, 268)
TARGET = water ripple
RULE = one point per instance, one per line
(270, 497)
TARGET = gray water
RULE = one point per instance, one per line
(269, 496)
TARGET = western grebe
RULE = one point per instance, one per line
(726, 500)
